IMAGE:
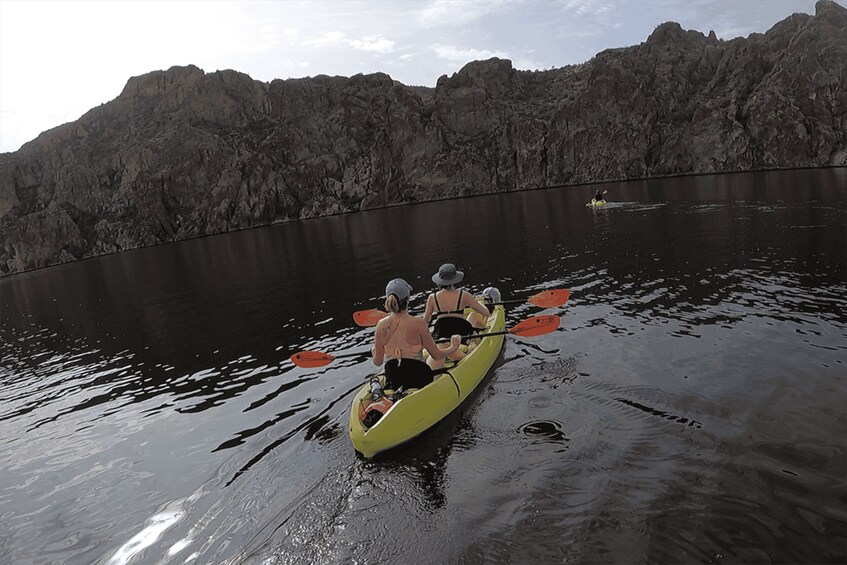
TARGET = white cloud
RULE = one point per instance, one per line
(525, 64)
(460, 55)
(327, 38)
(375, 43)
(588, 7)
(443, 13)
(731, 32)
(371, 43)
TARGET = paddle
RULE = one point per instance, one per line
(368, 318)
(544, 299)
(533, 326)
(312, 359)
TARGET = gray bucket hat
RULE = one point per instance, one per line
(447, 275)
(398, 287)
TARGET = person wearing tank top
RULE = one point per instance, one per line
(400, 338)
(447, 305)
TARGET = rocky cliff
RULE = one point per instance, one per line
(182, 153)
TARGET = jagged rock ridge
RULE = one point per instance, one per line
(183, 153)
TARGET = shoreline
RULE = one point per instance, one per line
(8, 276)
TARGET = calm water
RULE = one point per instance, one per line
(691, 408)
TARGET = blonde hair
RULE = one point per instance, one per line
(395, 305)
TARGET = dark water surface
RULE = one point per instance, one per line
(692, 408)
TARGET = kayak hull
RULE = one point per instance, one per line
(421, 409)
(596, 203)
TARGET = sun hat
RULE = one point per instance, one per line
(447, 275)
(398, 287)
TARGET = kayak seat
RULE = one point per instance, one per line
(411, 373)
(447, 326)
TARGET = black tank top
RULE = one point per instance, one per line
(447, 326)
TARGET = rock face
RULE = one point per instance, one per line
(182, 153)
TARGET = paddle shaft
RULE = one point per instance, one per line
(501, 303)
(356, 354)
(486, 304)
(475, 336)
(504, 302)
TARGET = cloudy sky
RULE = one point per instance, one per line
(60, 59)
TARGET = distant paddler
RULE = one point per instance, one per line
(599, 198)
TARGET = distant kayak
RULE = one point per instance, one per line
(596, 202)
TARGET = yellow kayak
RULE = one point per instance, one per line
(420, 409)
(596, 203)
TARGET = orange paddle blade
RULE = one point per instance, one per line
(312, 359)
(368, 318)
(536, 325)
(550, 298)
